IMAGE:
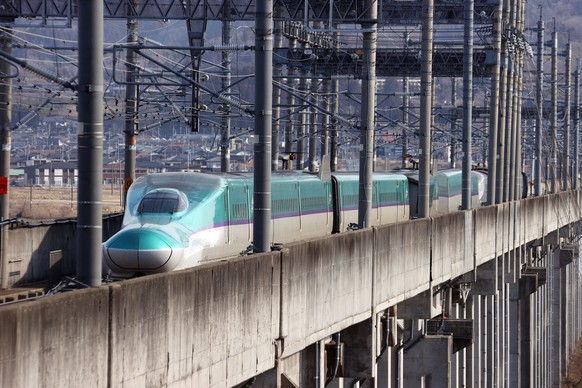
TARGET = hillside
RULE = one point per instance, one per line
(568, 18)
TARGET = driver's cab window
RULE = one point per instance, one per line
(163, 201)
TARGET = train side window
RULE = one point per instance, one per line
(162, 202)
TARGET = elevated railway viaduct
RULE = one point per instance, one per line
(479, 298)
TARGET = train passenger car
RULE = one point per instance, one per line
(301, 207)
(449, 184)
(390, 202)
(413, 179)
(480, 186)
(176, 220)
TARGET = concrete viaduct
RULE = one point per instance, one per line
(481, 298)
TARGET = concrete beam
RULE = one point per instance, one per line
(426, 305)
(552, 238)
(460, 329)
(427, 363)
(528, 284)
(541, 274)
(567, 254)
(297, 370)
(359, 352)
(487, 277)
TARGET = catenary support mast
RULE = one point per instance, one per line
(467, 104)
(90, 142)
(367, 116)
(263, 126)
(425, 108)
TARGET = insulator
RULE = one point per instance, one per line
(230, 47)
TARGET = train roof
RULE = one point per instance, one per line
(208, 182)
(382, 175)
(196, 186)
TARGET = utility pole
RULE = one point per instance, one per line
(313, 125)
(540, 107)
(494, 109)
(277, 74)
(405, 107)
(504, 126)
(511, 133)
(405, 117)
(505, 111)
(575, 179)
(90, 141)
(334, 123)
(453, 150)
(326, 119)
(303, 120)
(131, 103)
(225, 85)
(290, 127)
(554, 114)
(518, 146)
(367, 115)
(425, 108)
(263, 126)
(484, 143)
(567, 101)
(517, 149)
(5, 142)
(467, 104)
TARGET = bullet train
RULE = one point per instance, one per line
(178, 220)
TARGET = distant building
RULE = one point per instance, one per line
(114, 172)
(17, 177)
(66, 173)
(52, 174)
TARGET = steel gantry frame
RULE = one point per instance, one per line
(333, 11)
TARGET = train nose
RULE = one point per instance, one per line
(141, 250)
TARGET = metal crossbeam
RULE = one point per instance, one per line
(296, 30)
(389, 62)
(334, 11)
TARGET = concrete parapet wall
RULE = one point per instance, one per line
(450, 238)
(504, 224)
(401, 262)
(485, 234)
(28, 248)
(532, 217)
(551, 210)
(212, 326)
(326, 287)
(58, 341)
(569, 209)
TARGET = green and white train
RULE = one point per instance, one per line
(178, 220)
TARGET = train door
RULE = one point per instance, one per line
(335, 195)
(376, 216)
(238, 205)
(285, 211)
(401, 198)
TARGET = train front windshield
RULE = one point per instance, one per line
(162, 201)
